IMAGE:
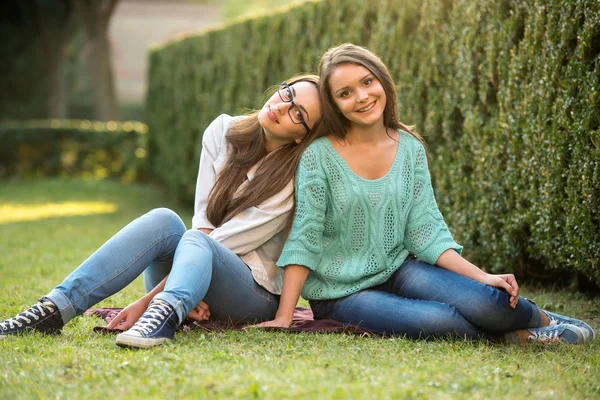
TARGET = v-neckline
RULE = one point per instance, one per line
(347, 167)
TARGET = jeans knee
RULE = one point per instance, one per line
(197, 238)
(452, 322)
(492, 311)
(167, 218)
(496, 299)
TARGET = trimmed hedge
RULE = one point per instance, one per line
(85, 149)
(505, 92)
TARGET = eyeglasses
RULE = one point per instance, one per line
(285, 94)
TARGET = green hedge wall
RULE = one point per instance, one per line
(94, 150)
(506, 93)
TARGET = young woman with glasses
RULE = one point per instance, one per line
(368, 245)
(244, 199)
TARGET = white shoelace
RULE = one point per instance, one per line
(152, 318)
(553, 321)
(40, 308)
(551, 336)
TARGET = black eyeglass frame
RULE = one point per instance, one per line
(285, 86)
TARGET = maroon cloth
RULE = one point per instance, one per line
(303, 322)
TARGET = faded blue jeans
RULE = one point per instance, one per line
(421, 300)
(158, 245)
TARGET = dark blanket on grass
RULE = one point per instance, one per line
(303, 322)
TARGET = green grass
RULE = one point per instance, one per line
(36, 254)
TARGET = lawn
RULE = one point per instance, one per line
(48, 227)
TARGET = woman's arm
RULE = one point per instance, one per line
(212, 145)
(427, 235)
(293, 281)
(454, 262)
(303, 247)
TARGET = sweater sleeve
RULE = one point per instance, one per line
(211, 145)
(304, 244)
(427, 235)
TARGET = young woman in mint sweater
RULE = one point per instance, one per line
(369, 246)
(227, 260)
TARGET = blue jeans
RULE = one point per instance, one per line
(157, 244)
(421, 300)
(204, 269)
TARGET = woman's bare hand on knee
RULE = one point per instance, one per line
(507, 282)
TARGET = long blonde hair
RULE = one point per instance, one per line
(333, 121)
(246, 143)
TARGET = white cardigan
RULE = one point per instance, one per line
(255, 234)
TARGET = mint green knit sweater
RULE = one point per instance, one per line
(353, 233)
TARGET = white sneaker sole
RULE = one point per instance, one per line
(124, 340)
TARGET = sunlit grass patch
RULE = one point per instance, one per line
(18, 212)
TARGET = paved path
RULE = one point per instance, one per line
(136, 25)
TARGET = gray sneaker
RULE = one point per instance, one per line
(557, 319)
(562, 333)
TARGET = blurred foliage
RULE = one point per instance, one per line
(233, 9)
(22, 73)
(82, 107)
(87, 149)
(38, 31)
(506, 93)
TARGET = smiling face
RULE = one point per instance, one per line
(358, 94)
(279, 118)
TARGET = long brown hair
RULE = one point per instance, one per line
(246, 143)
(335, 122)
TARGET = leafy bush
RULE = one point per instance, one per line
(75, 148)
(506, 93)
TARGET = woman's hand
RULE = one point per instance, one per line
(452, 261)
(293, 281)
(200, 313)
(128, 316)
(507, 282)
(276, 323)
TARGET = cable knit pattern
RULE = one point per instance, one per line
(353, 233)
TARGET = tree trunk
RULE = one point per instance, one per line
(95, 15)
(56, 106)
(101, 75)
(55, 27)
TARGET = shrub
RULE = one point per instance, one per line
(75, 148)
(505, 92)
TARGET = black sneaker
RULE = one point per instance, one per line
(42, 317)
(155, 327)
